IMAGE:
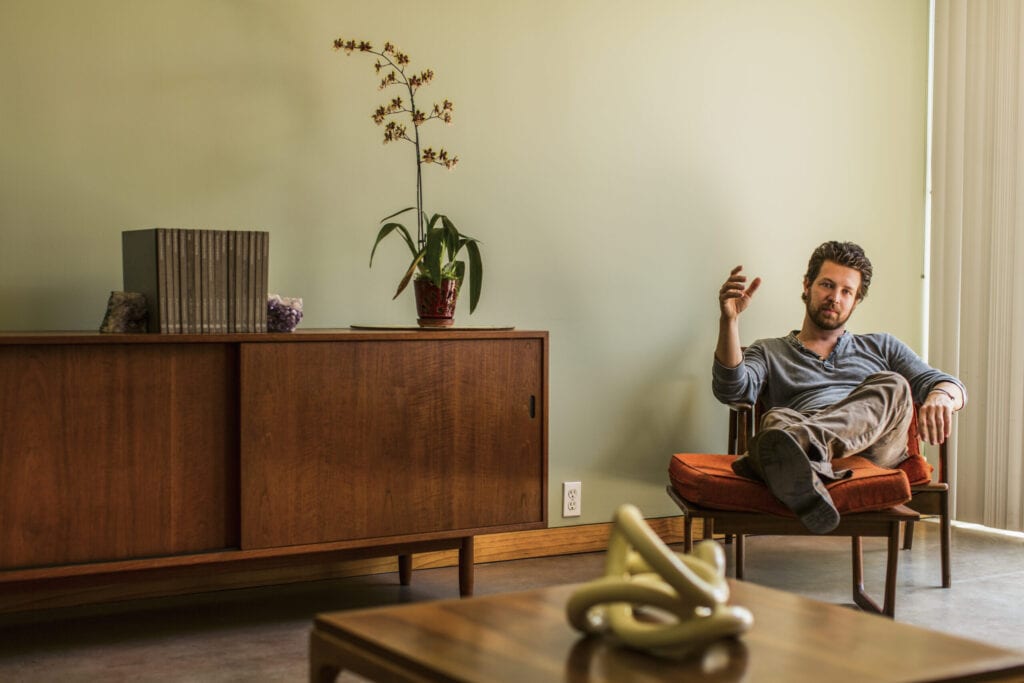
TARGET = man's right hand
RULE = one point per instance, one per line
(734, 296)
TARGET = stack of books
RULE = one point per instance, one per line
(199, 281)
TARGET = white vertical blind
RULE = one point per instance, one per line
(977, 249)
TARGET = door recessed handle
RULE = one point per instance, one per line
(533, 406)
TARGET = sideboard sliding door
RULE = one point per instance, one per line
(116, 451)
(345, 440)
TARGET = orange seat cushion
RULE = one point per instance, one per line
(708, 481)
(917, 469)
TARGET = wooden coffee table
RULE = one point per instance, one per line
(525, 637)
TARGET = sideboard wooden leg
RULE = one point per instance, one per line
(466, 567)
(405, 569)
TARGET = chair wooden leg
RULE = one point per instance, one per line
(860, 596)
(857, 569)
(944, 540)
(891, 564)
(908, 535)
(739, 556)
(709, 528)
(687, 533)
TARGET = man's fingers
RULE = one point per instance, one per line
(935, 423)
(924, 426)
(736, 291)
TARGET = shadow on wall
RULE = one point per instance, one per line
(33, 308)
(676, 413)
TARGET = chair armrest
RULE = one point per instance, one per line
(741, 427)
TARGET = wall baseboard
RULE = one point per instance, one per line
(91, 590)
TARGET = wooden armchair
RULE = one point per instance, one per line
(929, 489)
(873, 502)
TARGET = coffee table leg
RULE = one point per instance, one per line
(323, 667)
(466, 567)
(330, 654)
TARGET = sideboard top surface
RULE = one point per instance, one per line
(307, 335)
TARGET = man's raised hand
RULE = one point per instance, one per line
(735, 295)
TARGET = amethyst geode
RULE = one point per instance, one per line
(283, 313)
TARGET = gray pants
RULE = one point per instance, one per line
(872, 421)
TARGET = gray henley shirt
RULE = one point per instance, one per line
(792, 376)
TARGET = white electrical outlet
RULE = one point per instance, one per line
(571, 498)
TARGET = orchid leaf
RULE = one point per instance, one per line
(432, 256)
(387, 230)
(398, 213)
(476, 273)
(451, 237)
(408, 275)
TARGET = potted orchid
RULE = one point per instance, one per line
(435, 264)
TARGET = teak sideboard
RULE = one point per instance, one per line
(146, 457)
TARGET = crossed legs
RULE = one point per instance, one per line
(793, 452)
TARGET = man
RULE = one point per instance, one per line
(827, 393)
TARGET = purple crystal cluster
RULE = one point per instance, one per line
(283, 313)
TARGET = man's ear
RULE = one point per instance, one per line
(806, 294)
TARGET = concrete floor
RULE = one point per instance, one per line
(260, 634)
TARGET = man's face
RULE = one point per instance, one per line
(832, 296)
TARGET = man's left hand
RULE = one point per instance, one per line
(935, 418)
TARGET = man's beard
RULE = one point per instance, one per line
(824, 323)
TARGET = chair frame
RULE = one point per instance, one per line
(879, 523)
(929, 498)
(932, 498)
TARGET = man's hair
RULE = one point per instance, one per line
(844, 254)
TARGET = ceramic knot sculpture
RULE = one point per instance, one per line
(651, 598)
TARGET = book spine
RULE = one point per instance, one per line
(253, 284)
(189, 293)
(265, 280)
(243, 303)
(197, 283)
(218, 282)
(174, 292)
(229, 280)
(236, 281)
(163, 264)
(206, 265)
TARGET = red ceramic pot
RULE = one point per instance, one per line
(436, 305)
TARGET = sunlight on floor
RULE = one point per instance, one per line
(988, 529)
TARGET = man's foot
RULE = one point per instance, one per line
(789, 475)
(744, 467)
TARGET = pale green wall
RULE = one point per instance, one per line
(617, 159)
